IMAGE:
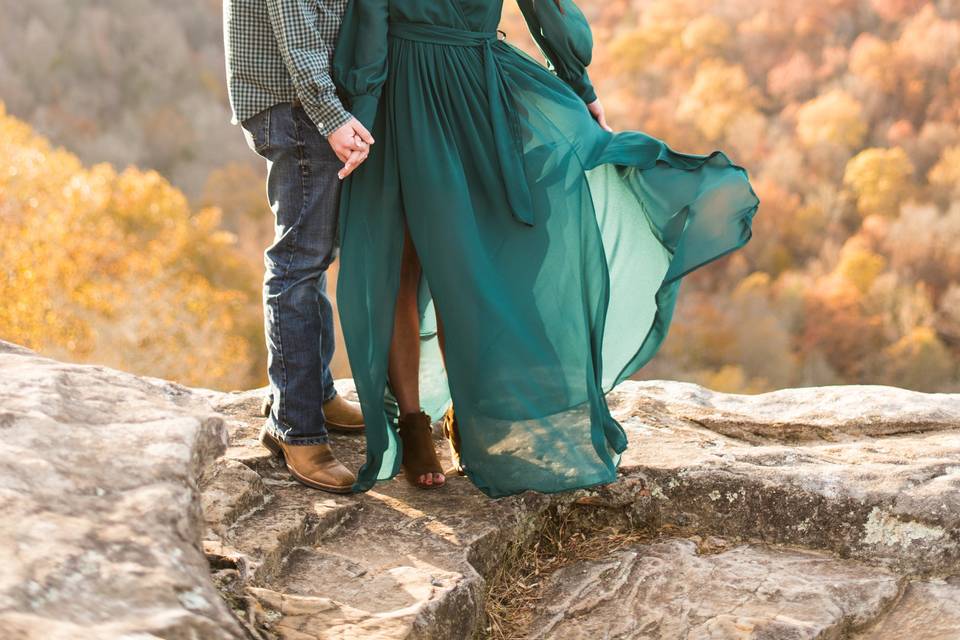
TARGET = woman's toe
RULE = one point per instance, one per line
(426, 479)
(439, 478)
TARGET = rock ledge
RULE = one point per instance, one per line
(836, 511)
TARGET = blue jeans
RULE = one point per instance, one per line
(304, 193)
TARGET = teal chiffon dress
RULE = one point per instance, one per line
(551, 249)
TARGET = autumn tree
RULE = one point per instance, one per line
(835, 118)
(880, 180)
(893, 10)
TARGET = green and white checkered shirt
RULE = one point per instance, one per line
(279, 50)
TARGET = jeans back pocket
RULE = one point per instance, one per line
(256, 131)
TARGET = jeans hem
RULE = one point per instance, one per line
(297, 440)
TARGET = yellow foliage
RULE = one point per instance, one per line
(834, 118)
(631, 51)
(930, 40)
(870, 58)
(919, 360)
(115, 268)
(733, 379)
(859, 266)
(706, 34)
(660, 34)
(880, 180)
(945, 175)
(665, 20)
(720, 94)
(757, 282)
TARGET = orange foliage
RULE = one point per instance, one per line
(838, 327)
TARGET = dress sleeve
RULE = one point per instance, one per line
(360, 60)
(563, 35)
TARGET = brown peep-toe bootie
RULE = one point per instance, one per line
(419, 454)
(452, 433)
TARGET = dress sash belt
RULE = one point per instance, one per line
(507, 133)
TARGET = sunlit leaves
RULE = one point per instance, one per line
(880, 179)
(860, 266)
(115, 268)
(920, 360)
(720, 93)
(945, 175)
(835, 118)
(893, 10)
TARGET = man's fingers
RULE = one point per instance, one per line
(341, 150)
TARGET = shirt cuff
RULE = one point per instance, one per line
(327, 118)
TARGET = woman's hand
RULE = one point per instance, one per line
(355, 160)
(596, 110)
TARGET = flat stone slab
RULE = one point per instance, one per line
(667, 590)
(798, 415)
(926, 611)
(99, 508)
(891, 497)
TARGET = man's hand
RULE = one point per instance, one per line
(351, 138)
(596, 110)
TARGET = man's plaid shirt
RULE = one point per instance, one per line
(279, 50)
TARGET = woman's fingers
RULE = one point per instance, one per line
(596, 110)
(355, 160)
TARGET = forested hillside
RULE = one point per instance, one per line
(123, 81)
(845, 112)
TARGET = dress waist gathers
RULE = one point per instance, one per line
(508, 135)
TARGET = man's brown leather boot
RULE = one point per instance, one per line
(339, 413)
(312, 464)
(342, 415)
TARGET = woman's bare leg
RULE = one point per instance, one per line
(442, 339)
(404, 363)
